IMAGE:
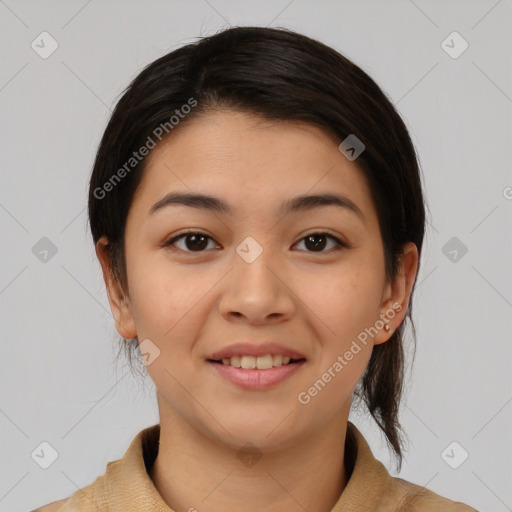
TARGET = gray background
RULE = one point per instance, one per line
(58, 375)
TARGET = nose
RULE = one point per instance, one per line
(258, 293)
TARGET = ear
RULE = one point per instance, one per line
(396, 296)
(119, 301)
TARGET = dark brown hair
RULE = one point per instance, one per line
(280, 75)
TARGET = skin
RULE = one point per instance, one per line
(191, 304)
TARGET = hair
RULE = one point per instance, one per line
(279, 75)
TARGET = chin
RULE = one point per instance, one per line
(266, 431)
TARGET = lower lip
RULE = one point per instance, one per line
(255, 379)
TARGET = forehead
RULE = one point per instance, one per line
(250, 160)
(232, 133)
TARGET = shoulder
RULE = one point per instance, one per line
(371, 487)
(125, 481)
(409, 497)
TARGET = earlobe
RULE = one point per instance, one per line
(398, 293)
(119, 302)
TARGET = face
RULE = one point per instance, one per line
(260, 261)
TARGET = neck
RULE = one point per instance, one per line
(195, 472)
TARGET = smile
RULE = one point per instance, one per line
(261, 363)
(249, 376)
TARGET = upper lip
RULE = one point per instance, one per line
(255, 349)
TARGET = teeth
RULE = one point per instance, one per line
(248, 362)
(235, 361)
(264, 362)
(251, 362)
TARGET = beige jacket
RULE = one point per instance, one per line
(127, 487)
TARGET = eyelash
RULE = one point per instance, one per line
(339, 244)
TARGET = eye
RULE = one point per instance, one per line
(194, 241)
(191, 241)
(318, 241)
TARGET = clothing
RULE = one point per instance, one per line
(127, 487)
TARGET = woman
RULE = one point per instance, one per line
(257, 211)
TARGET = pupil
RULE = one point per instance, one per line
(195, 239)
(318, 245)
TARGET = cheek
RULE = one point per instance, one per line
(167, 299)
(156, 295)
(346, 298)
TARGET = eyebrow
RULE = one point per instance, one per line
(296, 204)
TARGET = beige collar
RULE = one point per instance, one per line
(127, 486)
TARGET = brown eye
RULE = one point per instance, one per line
(196, 242)
(190, 242)
(317, 242)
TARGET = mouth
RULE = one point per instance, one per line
(265, 362)
(255, 373)
(255, 365)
